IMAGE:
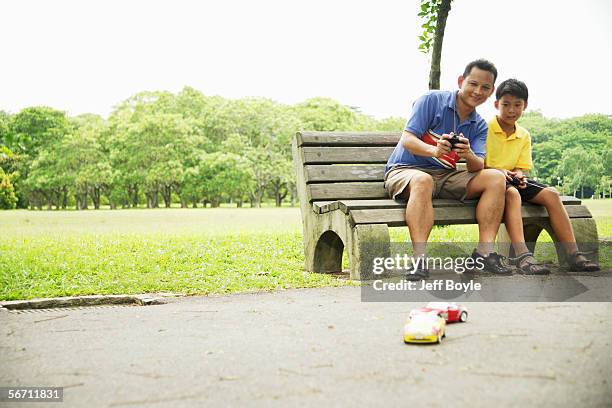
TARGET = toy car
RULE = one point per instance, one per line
(425, 328)
(451, 312)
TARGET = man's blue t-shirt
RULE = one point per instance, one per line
(436, 111)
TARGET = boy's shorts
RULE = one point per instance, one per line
(528, 193)
(451, 184)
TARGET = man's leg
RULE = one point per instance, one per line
(490, 185)
(419, 211)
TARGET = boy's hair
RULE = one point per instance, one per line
(512, 87)
(481, 64)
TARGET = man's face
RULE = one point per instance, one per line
(476, 87)
(510, 108)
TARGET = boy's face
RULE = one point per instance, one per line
(510, 108)
(476, 87)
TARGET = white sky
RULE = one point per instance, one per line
(87, 56)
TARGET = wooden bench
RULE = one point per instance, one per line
(344, 203)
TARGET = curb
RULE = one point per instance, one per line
(92, 300)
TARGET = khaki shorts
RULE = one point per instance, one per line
(450, 184)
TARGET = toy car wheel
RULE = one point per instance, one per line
(463, 317)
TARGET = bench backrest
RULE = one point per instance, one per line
(343, 165)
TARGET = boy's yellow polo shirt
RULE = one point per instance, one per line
(511, 152)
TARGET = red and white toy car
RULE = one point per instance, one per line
(451, 312)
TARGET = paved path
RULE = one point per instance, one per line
(310, 347)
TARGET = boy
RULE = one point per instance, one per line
(509, 149)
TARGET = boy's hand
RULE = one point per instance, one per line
(519, 174)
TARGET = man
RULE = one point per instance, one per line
(423, 164)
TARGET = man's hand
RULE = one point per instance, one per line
(443, 146)
(462, 148)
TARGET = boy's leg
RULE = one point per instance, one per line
(559, 220)
(561, 225)
(513, 219)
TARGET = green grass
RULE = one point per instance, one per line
(202, 251)
(49, 253)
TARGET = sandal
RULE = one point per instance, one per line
(581, 265)
(529, 266)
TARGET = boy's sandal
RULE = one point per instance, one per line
(527, 266)
(581, 265)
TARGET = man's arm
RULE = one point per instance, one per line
(474, 163)
(419, 148)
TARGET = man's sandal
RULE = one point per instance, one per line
(529, 266)
(581, 265)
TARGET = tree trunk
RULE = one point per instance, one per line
(95, 196)
(65, 198)
(436, 54)
(167, 195)
(135, 196)
(58, 198)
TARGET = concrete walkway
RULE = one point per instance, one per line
(310, 347)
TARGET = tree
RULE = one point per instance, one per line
(8, 199)
(324, 114)
(5, 120)
(434, 13)
(580, 169)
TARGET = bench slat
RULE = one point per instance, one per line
(338, 191)
(345, 155)
(321, 207)
(348, 205)
(394, 217)
(318, 173)
(348, 138)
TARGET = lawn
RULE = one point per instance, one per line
(190, 251)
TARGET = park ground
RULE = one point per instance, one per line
(185, 251)
(310, 347)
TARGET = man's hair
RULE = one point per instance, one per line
(512, 87)
(481, 64)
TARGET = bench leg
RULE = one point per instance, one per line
(323, 252)
(367, 242)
